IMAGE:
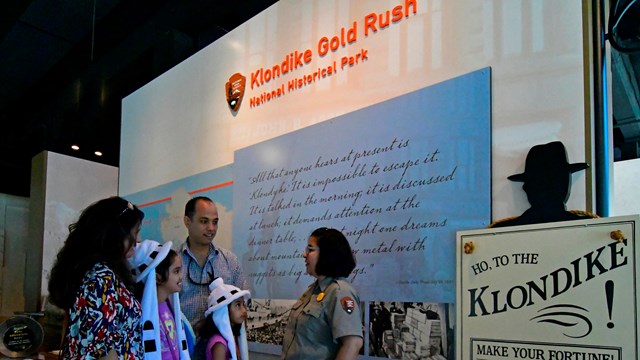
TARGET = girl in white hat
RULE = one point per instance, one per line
(160, 269)
(223, 328)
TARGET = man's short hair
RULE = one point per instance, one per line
(190, 207)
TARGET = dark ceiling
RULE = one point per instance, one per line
(65, 66)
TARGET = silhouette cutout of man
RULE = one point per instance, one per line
(547, 183)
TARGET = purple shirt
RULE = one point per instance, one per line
(168, 333)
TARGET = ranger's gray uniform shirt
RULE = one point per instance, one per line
(317, 321)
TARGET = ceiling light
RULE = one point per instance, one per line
(75, 147)
(98, 153)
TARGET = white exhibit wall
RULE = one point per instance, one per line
(626, 192)
(70, 185)
(180, 124)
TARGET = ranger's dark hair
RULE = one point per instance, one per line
(336, 258)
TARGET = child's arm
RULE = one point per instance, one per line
(219, 352)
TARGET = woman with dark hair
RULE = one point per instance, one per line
(326, 323)
(92, 281)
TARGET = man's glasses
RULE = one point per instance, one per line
(205, 280)
(309, 248)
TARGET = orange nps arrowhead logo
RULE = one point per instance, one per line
(234, 89)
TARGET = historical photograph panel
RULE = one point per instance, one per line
(267, 319)
(411, 330)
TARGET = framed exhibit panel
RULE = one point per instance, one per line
(565, 290)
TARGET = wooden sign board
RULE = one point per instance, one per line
(559, 291)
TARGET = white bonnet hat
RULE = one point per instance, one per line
(148, 254)
(223, 294)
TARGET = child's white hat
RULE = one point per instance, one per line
(146, 257)
(220, 297)
(148, 254)
(223, 294)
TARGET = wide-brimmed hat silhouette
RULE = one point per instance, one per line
(547, 160)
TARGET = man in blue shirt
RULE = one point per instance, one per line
(202, 261)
